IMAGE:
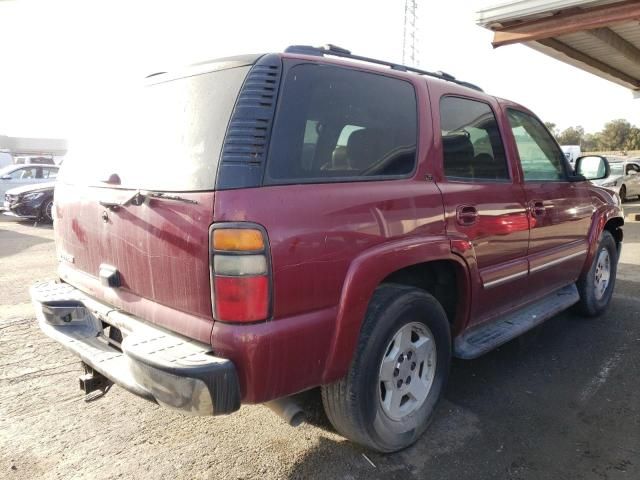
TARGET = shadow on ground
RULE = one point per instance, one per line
(15, 242)
(523, 411)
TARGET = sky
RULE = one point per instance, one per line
(63, 62)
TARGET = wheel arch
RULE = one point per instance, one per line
(397, 262)
(610, 220)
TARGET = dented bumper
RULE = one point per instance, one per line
(146, 360)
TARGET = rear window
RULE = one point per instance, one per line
(169, 139)
(337, 124)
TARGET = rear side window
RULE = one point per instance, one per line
(471, 142)
(338, 124)
(632, 168)
(540, 156)
(49, 172)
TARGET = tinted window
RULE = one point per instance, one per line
(540, 156)
(334, 123)
(472, 147)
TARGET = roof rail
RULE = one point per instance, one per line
(336, 51)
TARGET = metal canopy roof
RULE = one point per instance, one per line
(599, 36)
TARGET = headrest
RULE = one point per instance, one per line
(363, 147)
(457, 143)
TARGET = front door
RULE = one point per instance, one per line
(560, 210)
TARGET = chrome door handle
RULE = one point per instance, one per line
(537, 208)
(466, 215)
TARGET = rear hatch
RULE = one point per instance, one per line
(137, 196)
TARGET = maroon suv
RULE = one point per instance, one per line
(286, 221)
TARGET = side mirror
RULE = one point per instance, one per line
(592, 167)
(632, 172)
(5, 177)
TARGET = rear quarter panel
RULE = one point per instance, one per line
(331, 245)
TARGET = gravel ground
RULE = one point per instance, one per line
(560, 402)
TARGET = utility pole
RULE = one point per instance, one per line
(410, 34)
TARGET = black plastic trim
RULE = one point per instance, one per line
(220, 378)
(244, 152)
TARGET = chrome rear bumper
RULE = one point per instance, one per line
(150, 362)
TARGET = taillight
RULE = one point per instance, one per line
(240, 273)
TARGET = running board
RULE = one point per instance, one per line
(484, 338)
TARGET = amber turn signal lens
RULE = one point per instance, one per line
(237, 239)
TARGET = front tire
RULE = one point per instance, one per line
(47, 211)
(399, 370)
(623, 194)
(596, 285)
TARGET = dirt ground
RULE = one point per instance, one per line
(561, 402)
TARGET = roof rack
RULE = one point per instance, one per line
(336, 51)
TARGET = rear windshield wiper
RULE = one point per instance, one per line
(139, 196)
(136, 199)
(168, 196)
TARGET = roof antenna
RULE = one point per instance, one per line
(410, 34)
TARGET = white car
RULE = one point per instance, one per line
(13, 176)
(624, 177)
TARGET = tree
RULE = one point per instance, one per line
(552, 127)
(591, 142)
(571, 136)
(633, 139)
(614, 135)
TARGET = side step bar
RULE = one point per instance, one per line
(484, 338)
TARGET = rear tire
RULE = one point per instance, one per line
(596, 285)
(398, 372)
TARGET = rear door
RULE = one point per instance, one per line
(560, 210)
(484, 201)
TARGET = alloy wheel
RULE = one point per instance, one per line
(407, 370)
(602, 273)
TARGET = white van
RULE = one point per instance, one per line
(572, 152)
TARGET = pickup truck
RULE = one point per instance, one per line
(282, 222)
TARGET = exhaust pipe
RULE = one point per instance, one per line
(287, 409)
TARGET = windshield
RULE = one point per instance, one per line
(7, 170)
(169, 139)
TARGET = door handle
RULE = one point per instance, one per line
(466, 215)
(537, 208)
